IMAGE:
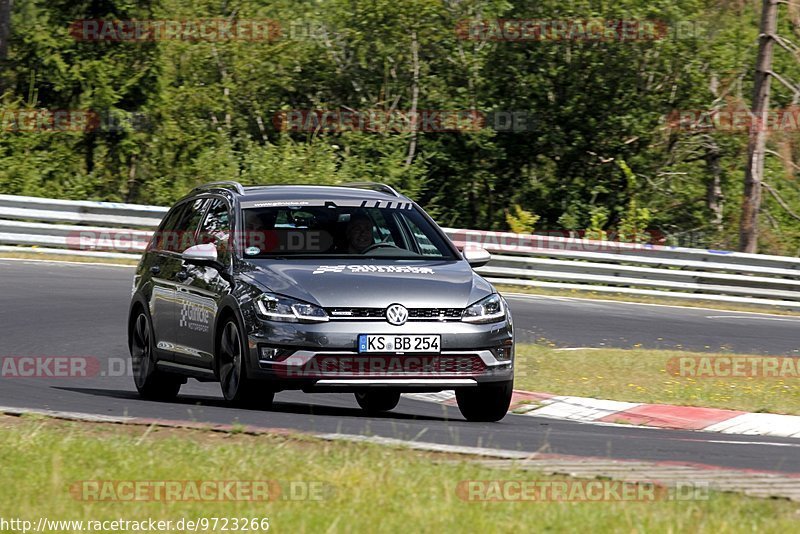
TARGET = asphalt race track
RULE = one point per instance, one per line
(571, 322)
(78, 310)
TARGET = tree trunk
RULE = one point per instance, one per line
(714, 197)
(748, 230)
(412, 145)
(5, 27)
(131, 180)
(5, 34)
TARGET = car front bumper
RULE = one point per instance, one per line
(324, 356)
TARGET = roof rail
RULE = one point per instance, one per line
(375, 186)
(228, 184)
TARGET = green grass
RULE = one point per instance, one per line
(372, 488)
(641, 376)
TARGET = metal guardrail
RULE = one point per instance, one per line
(638, 269)
(121, 231)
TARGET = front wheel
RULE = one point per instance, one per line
(237, 388)
(151, 383)
(486, 403)
(377, 401)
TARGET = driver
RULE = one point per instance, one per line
(359, 234)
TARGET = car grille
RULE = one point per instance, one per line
(381, 366)
(379, 314)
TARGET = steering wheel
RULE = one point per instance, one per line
(376, 246)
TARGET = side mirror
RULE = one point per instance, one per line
(477, 257)
(205, 255)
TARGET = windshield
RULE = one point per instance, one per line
(342, 231)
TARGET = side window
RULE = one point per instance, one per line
(183, 235)
(216, 229)
(163, 238)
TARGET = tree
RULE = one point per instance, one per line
(754, 172)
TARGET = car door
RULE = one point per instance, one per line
(200, 293)
(162, 266)
(172, 273)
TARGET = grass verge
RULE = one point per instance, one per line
(366, 485)
(644, 376)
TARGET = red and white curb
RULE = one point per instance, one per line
(589, 410)
(670, 474)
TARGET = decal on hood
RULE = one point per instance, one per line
(372, 269)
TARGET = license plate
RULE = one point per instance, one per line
(399, 343)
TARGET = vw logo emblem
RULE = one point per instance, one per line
(397, 314)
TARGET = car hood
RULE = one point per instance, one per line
(372, 284)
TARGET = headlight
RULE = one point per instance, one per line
(488, 310)
(279, 308)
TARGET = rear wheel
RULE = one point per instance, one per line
(236, 386)
(377, 401)
(485, 403)
(150, 381)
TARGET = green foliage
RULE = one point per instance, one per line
(520, 221)
(634, 220)
(594, 110)
(598, 218)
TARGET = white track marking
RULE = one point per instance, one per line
(787, 319)
(744, 442)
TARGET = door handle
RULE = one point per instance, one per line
(182, 276)
(155, 269)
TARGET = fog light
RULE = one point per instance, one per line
(502, 354)
(268, 353)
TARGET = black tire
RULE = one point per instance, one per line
(237, 388)
(376, 401)
(152, 383)
(486, 403)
